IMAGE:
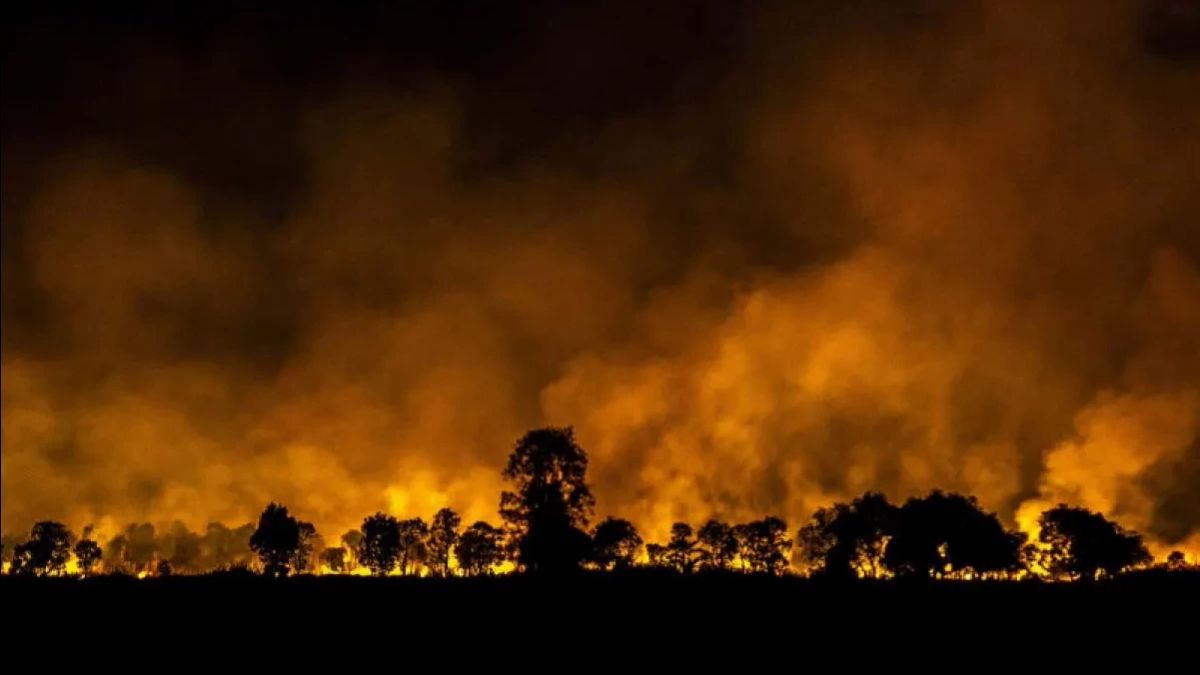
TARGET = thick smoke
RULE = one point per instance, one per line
(761, 259)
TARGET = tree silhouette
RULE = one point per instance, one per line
(1081, 544)
(765, 545)
(681, 553)
(615, 544)
(946, 534)
(845, 540)
(479, 549)
(114, 554)
(141, 546)
(276, 540)
(656, 555)
(309, 544)
(940, 535)
(443, 535)
(87, 553)
(46, 552)
(551, 502)
(182, 547)
(380, 545)
(351, 540)
(334, 558)
(9, 543)
(225, 548)
(720, 544)
(413, 534)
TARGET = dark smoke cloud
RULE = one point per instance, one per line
(763, 256)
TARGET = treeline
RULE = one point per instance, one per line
(543, 528)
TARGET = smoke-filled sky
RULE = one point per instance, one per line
(761, 255)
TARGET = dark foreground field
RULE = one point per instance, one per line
(643, 612)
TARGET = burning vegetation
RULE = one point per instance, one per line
(544, 531)
(773, 260)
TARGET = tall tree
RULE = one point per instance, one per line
(1083, 545)
(115, 559)
(615, 544)
(182, 547)
(681, 552)
(310, 543)
(720, 544)
(765, 545)
(551, 502)
(413, 535)
(380, 545)
(226, 548)
(443, 535)
(847, 540)
(276, 540)
(46, 552)
(479, 549)
(141, 547)
(87, 554)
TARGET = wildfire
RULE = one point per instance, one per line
(963, 257)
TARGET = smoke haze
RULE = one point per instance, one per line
(762, 255)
